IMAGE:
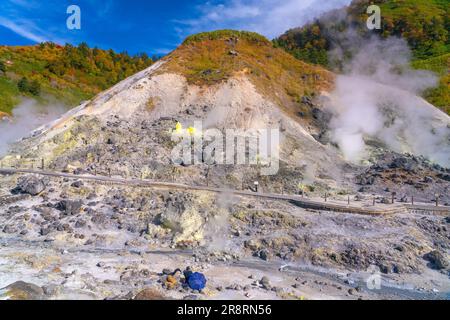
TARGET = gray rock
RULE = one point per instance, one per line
(308, 101)
(99, 219)
(51, 289)
(428, 179)
(77, 184)
(69, 207)
(437, 260)
(265, 283)
(366, 179)
(321, 116)
(31, 185)
(9, 229)
(80, 223)
(45, 231)
(264, 255)
(21, 290)
(405, 163)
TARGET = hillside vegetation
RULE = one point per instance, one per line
(425, 25)
(213, 57)
(439, 96)
(67, 73)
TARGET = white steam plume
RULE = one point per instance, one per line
(28, 116)
(377, 98)
(218, 228)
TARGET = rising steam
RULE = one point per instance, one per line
(28, 116)
(377, 99)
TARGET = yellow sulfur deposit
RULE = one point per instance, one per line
(178, 127)
(191, 131)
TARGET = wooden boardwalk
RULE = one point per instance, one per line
(315, 204)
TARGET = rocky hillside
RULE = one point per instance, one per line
(66, 73)
(227, 80)
(423, 23)
(215, 57)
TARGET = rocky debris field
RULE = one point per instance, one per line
(70, 220)
(140, 147)
(407, 176)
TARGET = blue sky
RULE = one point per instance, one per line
(154, 27)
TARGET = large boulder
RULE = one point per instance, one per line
(405, 163)
(32, 185)
(186, 227)
(437, 260)
(22, 291)
(69, 207)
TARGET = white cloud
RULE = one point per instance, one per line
(268, 17)
(23, 18)
(24, 29)
(161, 51)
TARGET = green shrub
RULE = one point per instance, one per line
(32, 87)
(226, 34)
(23, 85)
